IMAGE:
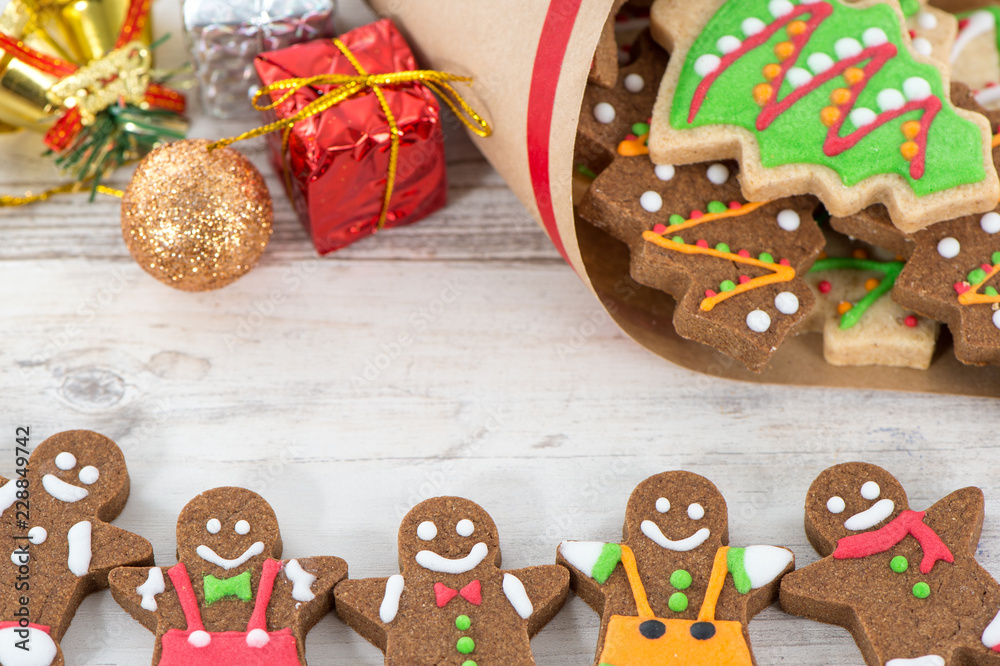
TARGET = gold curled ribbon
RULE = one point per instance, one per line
(349, 86)
(8, 201)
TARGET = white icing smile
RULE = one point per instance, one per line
(871, 516)
(433, 562)
(652, 530)
(209, 555)
(61, 490)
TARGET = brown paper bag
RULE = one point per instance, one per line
(530, 60)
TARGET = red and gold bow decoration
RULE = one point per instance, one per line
(89, 87)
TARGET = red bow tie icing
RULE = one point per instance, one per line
(881, 540)
(471, 593)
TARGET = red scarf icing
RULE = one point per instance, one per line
(878, 541)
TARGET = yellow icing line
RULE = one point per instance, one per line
(779, 273)
(972, 296)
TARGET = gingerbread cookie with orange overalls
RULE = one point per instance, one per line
(60, 546)
(452, 604)
(674, 586)
(230, 599)
(905, 583)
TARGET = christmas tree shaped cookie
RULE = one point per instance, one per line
(975, 56)
(821, 97)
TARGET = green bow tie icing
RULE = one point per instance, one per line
(820, 83)
(234, 586)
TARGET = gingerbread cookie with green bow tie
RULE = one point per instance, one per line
(905, 583)
(452, 604)
(230, 599)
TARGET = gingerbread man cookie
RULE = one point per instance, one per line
(674, 586)
(905, 583)
(230, 599)
(452, 604)
(62, 549)
(819, 97)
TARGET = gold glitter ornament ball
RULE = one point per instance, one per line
(196, 220)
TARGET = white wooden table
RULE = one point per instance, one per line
(291, 382)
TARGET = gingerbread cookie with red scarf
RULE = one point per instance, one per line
(452, 604)
(675, 567)
(60, 546)
(905, 583)
(230, 599)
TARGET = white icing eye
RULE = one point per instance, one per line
(89, 475)
(65, 460)
(663, 505)
(835, 504)
(242, 527)
(427, 530)
(465, 528)
(213, 526)
(696, 511)
(870, 490)
(37, 535)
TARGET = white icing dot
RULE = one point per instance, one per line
(819, 62)
(665, 172)
(728, 44)
(847, 47)
(874, 37)
(37, 535)
(65, 460)
(870, 490)
(257, 638)
(862, 116)
(798, 77)
(787, 303)
(213, 525)
(718, 174)
(604, 113)
(663, 505)
(758, 321)
(916, 88)
(89, 475)
(949, 247)
(923, 46)
(779, 8)
(752, 26)
(990, 223)
(927, 20)
(427, 530)
(890, 99)
(634, 83)
(696, 511)
(996, 318)
(836, 504)
(242, 527)
(199, 638)
(465, 527)
(789, 220)
(651, 202)
(707, 64)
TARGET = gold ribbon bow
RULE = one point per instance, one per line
(349, 86)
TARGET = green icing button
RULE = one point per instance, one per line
(899, 564)
(469, 662)
(680, 579)
(722, 247)
(727, 285)
(676, 219)
(463, 622)
(910, 7)
(921, 590)
(465, 645)
(717, 207)
(678, 602)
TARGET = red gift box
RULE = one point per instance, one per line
(337, 162)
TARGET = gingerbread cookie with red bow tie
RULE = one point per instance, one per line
(452, 604)
(230, 599)
(60, 547)
(905, 583)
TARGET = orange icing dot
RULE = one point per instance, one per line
(910, 149)
(830, 115)
(871, 284)
(784, 50)
(853, 75)
(860, 253)
(843, 308)
(762, 93)
(771, 71)
(911, 128)
(840, 96)
(796, 28)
